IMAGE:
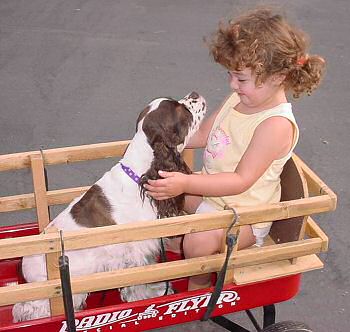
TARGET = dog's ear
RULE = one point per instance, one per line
(167, 125)
(166, 128)
(141, 116)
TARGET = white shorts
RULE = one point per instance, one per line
(259, 233)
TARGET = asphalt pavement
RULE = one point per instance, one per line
(79, 72)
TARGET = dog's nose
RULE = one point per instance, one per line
(194, 95)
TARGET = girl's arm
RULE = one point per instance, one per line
(272, 140)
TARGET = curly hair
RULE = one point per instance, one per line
(265, 42)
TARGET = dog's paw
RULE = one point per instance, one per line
(159, 289)
(79, 301)
(30, 310)
(141, 292)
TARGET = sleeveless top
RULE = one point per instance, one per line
(228, 140)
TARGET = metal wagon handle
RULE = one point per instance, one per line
(231, 240)
(63, 263)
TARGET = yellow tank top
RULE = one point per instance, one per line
(228, 140)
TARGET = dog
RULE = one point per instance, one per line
(163, 130)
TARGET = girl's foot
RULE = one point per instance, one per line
(199, 282)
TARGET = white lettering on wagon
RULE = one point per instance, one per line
(93, 322)
(171, 309)
(197, 302)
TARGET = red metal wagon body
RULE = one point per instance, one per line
(106, 312)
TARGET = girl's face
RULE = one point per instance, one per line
(252, 96)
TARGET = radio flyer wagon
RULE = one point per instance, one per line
(256, 277)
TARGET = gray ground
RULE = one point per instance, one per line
(78, 72)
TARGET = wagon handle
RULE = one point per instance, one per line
(63, 263)
(231, 240)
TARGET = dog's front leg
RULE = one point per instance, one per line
(142, 253)
(141, 292)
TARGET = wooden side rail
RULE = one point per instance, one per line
(65, 155)
(315, 185)
(27, 201)
(47, 243)
(64, 196)
(70, 154)
(159, 272)
(313, 230)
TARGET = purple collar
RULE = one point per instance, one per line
(129, 172)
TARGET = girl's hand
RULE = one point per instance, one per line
(172, 184)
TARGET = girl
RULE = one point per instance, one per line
(250, 138)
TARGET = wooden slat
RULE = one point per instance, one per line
(314, 231)
(73, 154)
(85, 152)
(157, 272)
(30, 291)
(315, 184)
(65, 155)
(37, 165)
(194, 266)
(56, 303)
(29, 245)
(311, 205)
(65, 196)
(17, 202)
(27, 201)
(284, 210)
(261, 272)
(167, 227)
(15, 161)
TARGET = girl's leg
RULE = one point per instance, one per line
(246, 237)
(202, 244)
(209, 243)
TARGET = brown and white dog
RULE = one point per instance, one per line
(163, 130)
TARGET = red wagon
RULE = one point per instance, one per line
(256, 277)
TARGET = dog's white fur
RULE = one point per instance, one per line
(126, 206)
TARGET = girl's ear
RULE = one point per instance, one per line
(278, 79)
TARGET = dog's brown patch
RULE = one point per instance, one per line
(93, 209)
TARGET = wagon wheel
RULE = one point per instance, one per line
(287, 326)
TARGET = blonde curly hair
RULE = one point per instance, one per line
(265, 42)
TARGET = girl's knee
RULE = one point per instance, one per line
(202, 243)
(246, 237)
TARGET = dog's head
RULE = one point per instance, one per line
(168, 125)
(172, 123)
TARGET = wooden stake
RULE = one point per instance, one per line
(56, 303)
(39, 182)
